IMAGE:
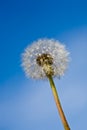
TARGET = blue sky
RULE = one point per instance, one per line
(27, 104)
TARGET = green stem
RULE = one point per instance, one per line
(58, 104)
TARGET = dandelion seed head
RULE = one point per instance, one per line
(45, 57)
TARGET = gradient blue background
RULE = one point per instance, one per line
(27, 104)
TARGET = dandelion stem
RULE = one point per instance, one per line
(58, 104)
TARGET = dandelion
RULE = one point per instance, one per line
(46, 59)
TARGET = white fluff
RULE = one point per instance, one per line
(48, 46)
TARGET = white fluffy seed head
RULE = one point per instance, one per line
(57, 51)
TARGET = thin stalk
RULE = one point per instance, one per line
(58, 104)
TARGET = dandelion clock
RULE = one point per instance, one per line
(47, 59)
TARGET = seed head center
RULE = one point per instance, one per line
(45, 61)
